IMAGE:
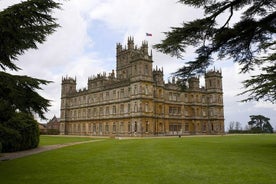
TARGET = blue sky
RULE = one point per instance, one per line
(85, 45)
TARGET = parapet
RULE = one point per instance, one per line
(142, 51)
(68, 80)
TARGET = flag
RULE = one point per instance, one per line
(148, 34)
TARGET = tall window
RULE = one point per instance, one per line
(121, 108)
(135, 107)
(114, 94)
(114, 127)
(94, 112)
(135, 89)
(114, 109)
(101, 97)
(89, 113)
(122, 93)
(160, 109)
(107, 95)
(129, 127)
(146, 90)
(101, 111)
(107, 110)
(106, 128)
(146, 107)
(170, 95)
(94, 127)
(122, 127)
(128, 107)
(147, 126)
(100, 127)
(135, 127)
(146, 70)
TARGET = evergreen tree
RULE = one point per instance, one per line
(260, 123)
(249, 42)
(22, 27)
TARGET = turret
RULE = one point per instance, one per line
(193, 83)
(68, 86)
(130, 43)
(145, 47)
(158, 76)
(213, 81)
(132, 62)
(119, 48)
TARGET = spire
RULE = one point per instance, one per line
(130, 43)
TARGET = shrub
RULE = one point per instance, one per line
(21, 132)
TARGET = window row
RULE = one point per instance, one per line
(110, 110)
(110, 95)
(108, 127)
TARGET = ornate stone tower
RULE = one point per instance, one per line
(134, 63)
(193, 83)
(68, 86)
(158, 76)
(213, 81)
(213, 84)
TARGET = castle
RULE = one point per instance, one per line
(137, 102)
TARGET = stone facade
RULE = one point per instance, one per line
(137, 102)
(53, 124)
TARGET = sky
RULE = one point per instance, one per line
(85, 43)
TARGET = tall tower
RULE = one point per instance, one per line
(132, 62)
(68, 86)
(213, 84)
(213, 81)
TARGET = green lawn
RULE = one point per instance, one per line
(189, 160)
(51, 140)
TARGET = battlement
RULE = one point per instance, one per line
(103, 81)
(68, 80)
(158, 70)
(133, 48)
(213, 80)
(213, 72)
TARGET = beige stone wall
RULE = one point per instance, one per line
(137, 102)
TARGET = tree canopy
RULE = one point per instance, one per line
(260, 123)
(250, 41)
(22, 27)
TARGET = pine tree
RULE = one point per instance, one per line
(249, 42)
(22, 27)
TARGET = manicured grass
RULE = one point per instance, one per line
(51, 140)
(192, 160)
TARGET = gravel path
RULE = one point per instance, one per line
(19, 154)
